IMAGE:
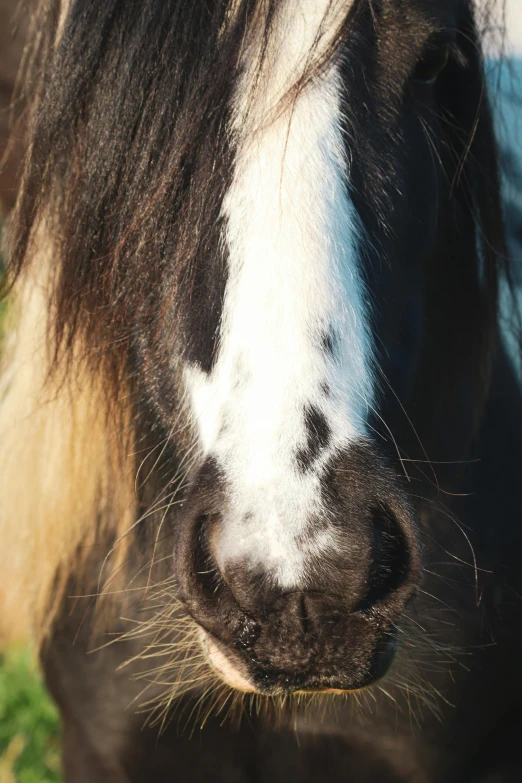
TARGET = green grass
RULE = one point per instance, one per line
(29, 724)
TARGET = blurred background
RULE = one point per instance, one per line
(29, 727)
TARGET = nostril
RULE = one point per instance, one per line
(206, 571)
(390, 559)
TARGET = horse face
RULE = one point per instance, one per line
(296, 549)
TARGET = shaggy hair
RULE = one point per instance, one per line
(129, 155)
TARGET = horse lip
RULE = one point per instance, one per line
(230, 669)
(222, 665)
(336, 691)
(231, 676)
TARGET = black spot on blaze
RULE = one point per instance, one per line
(325, 388)
(303, 460)
(318, 428)
(318, 435)
(328, 343)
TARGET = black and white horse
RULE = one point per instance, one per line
(260, 437)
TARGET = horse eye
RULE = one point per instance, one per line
(431, 64)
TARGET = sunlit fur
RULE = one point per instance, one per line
(68, 462)
(68, 468)
(75, 442)
(66, 481)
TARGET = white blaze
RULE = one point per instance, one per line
(294, 275)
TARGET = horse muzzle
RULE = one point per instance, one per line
(337, 631)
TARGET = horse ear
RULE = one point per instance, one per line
(463, 279)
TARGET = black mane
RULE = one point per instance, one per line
(130, 156)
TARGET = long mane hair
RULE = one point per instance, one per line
(128, 158)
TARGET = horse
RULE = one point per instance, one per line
(11, 52)
(260, 431)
